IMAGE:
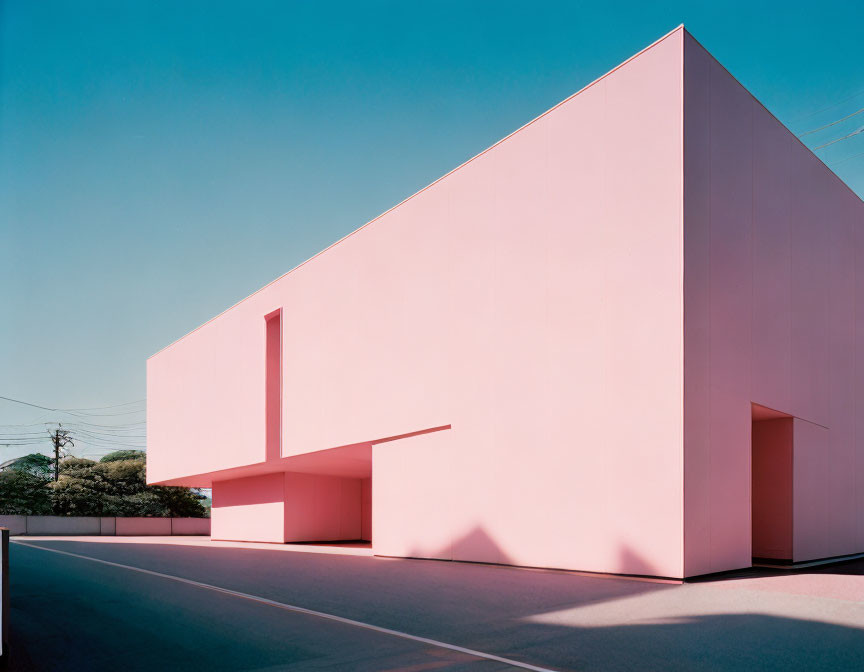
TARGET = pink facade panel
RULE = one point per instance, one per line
(771, 258)
(491, 302)
(415, 473)
(816, 510)
(249, 509)
(322, 508)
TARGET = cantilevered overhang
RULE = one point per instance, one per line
(353, 461)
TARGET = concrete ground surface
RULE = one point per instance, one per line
(71, 613)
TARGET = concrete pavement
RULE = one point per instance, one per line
(71, 613)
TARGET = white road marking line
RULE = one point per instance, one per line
(302, 610)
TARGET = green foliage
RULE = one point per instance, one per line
(24, 493)
(114, 486)
(207, 503)
(36, 464)
(124, 455)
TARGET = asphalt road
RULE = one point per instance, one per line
(70, 613)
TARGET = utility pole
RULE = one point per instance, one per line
(60, 438)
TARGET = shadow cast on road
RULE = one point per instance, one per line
(559, 619)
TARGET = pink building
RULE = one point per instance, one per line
(628, 338)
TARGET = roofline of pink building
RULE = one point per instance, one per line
(489, 149)
(430, 185)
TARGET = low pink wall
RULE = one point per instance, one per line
(135, 527)
(60, 525)
(15, 524)
(190, 526)
(249, 509)
(104, 526)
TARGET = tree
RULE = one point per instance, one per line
(34, 463)
(124, 455)
(117, 486)
(78, 491)
(23, 487)
(179, 502)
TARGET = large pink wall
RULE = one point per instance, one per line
(530, 300)
(773, 314)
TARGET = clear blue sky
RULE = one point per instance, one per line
(159, 161)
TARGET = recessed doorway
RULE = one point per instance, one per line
(771, 485)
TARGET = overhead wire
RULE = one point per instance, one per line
(87, 427)
(843, 160)
(833, 123)
(102, 408)
(845, 137)
(73, 410)
(830, 107)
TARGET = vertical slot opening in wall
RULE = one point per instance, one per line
(771, 485)
(273, 385)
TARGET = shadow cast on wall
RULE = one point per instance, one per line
(481, 547)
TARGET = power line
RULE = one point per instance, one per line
(848, 135)
(112, 439)
(27, 403)
(131, 434)
(101, 415)
(85, 416)
(830, 107)
(113, 445)
(109, 435)
(131, 431)
(127, 427)
(123, 428)
(103, 408)
(854, 156)
(136, 427)
(66, 410)
(29, 424)
(833, 123)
